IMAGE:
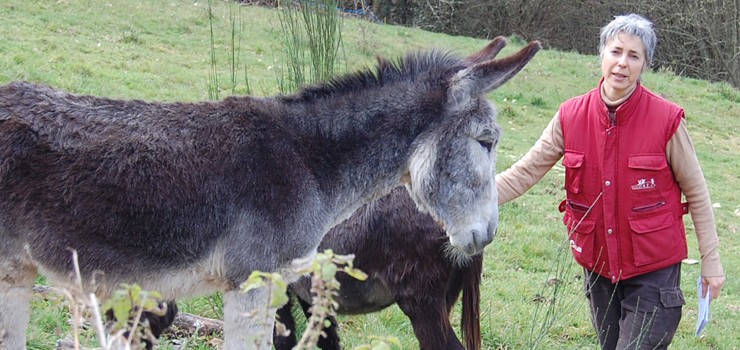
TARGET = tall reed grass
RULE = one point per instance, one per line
(311, 38)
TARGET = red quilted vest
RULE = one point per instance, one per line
(623, 207)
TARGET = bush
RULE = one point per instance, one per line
(696, 38)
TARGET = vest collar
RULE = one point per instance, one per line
(624, 110)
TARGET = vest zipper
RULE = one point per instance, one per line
(578, 207)
(649, 207)
(613, 118)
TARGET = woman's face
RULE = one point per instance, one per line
(622, 61)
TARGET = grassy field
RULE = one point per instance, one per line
(160, 50)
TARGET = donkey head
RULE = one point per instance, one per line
(452, 169)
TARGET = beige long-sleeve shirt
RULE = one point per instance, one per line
(681, 156)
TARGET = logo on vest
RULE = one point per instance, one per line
(575, 247)
(644, 184)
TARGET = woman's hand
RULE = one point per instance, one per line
(714, 284)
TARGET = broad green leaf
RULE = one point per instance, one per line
(356, 273)
(329, 271)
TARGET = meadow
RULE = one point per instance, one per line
(532, 293)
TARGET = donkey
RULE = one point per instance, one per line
(405, 254)
(189, 198)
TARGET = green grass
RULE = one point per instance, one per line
(160, 50)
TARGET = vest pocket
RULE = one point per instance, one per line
(581, 235)
(647, 174)
(653, 238)
(648, 161)
(573, 163)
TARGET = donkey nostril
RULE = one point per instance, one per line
(475, 246)
(481, 239)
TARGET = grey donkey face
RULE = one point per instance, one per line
(452, 170)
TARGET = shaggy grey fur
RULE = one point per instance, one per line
(190, 198)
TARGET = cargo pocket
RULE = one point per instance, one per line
(648, 161)
(668, 317)
(573, 163)
(645, 172)
(671, 297)
(581, 236)
(653, 238)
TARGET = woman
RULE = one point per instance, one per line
(628, 159)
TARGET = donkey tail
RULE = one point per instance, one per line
(470, 322)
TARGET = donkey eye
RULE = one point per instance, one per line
(486, 144)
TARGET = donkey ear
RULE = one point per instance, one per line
(489, 52)
(488, 75)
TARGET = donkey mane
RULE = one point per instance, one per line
(432, 65)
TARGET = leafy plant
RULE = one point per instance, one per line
(127, 305)
(381, 343)
(324, 288)
(276, 289)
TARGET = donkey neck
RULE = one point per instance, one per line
(358, 148)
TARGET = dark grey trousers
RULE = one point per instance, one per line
(641, 312)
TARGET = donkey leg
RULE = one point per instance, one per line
(285, 316)
(158, 324)
(431, 322)
(16, 282)
(248, 320)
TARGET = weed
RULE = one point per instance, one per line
(311, 34)
(131, 37)
(538, 102)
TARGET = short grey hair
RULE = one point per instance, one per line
(631, 24)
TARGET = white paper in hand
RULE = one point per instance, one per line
(703, 316)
